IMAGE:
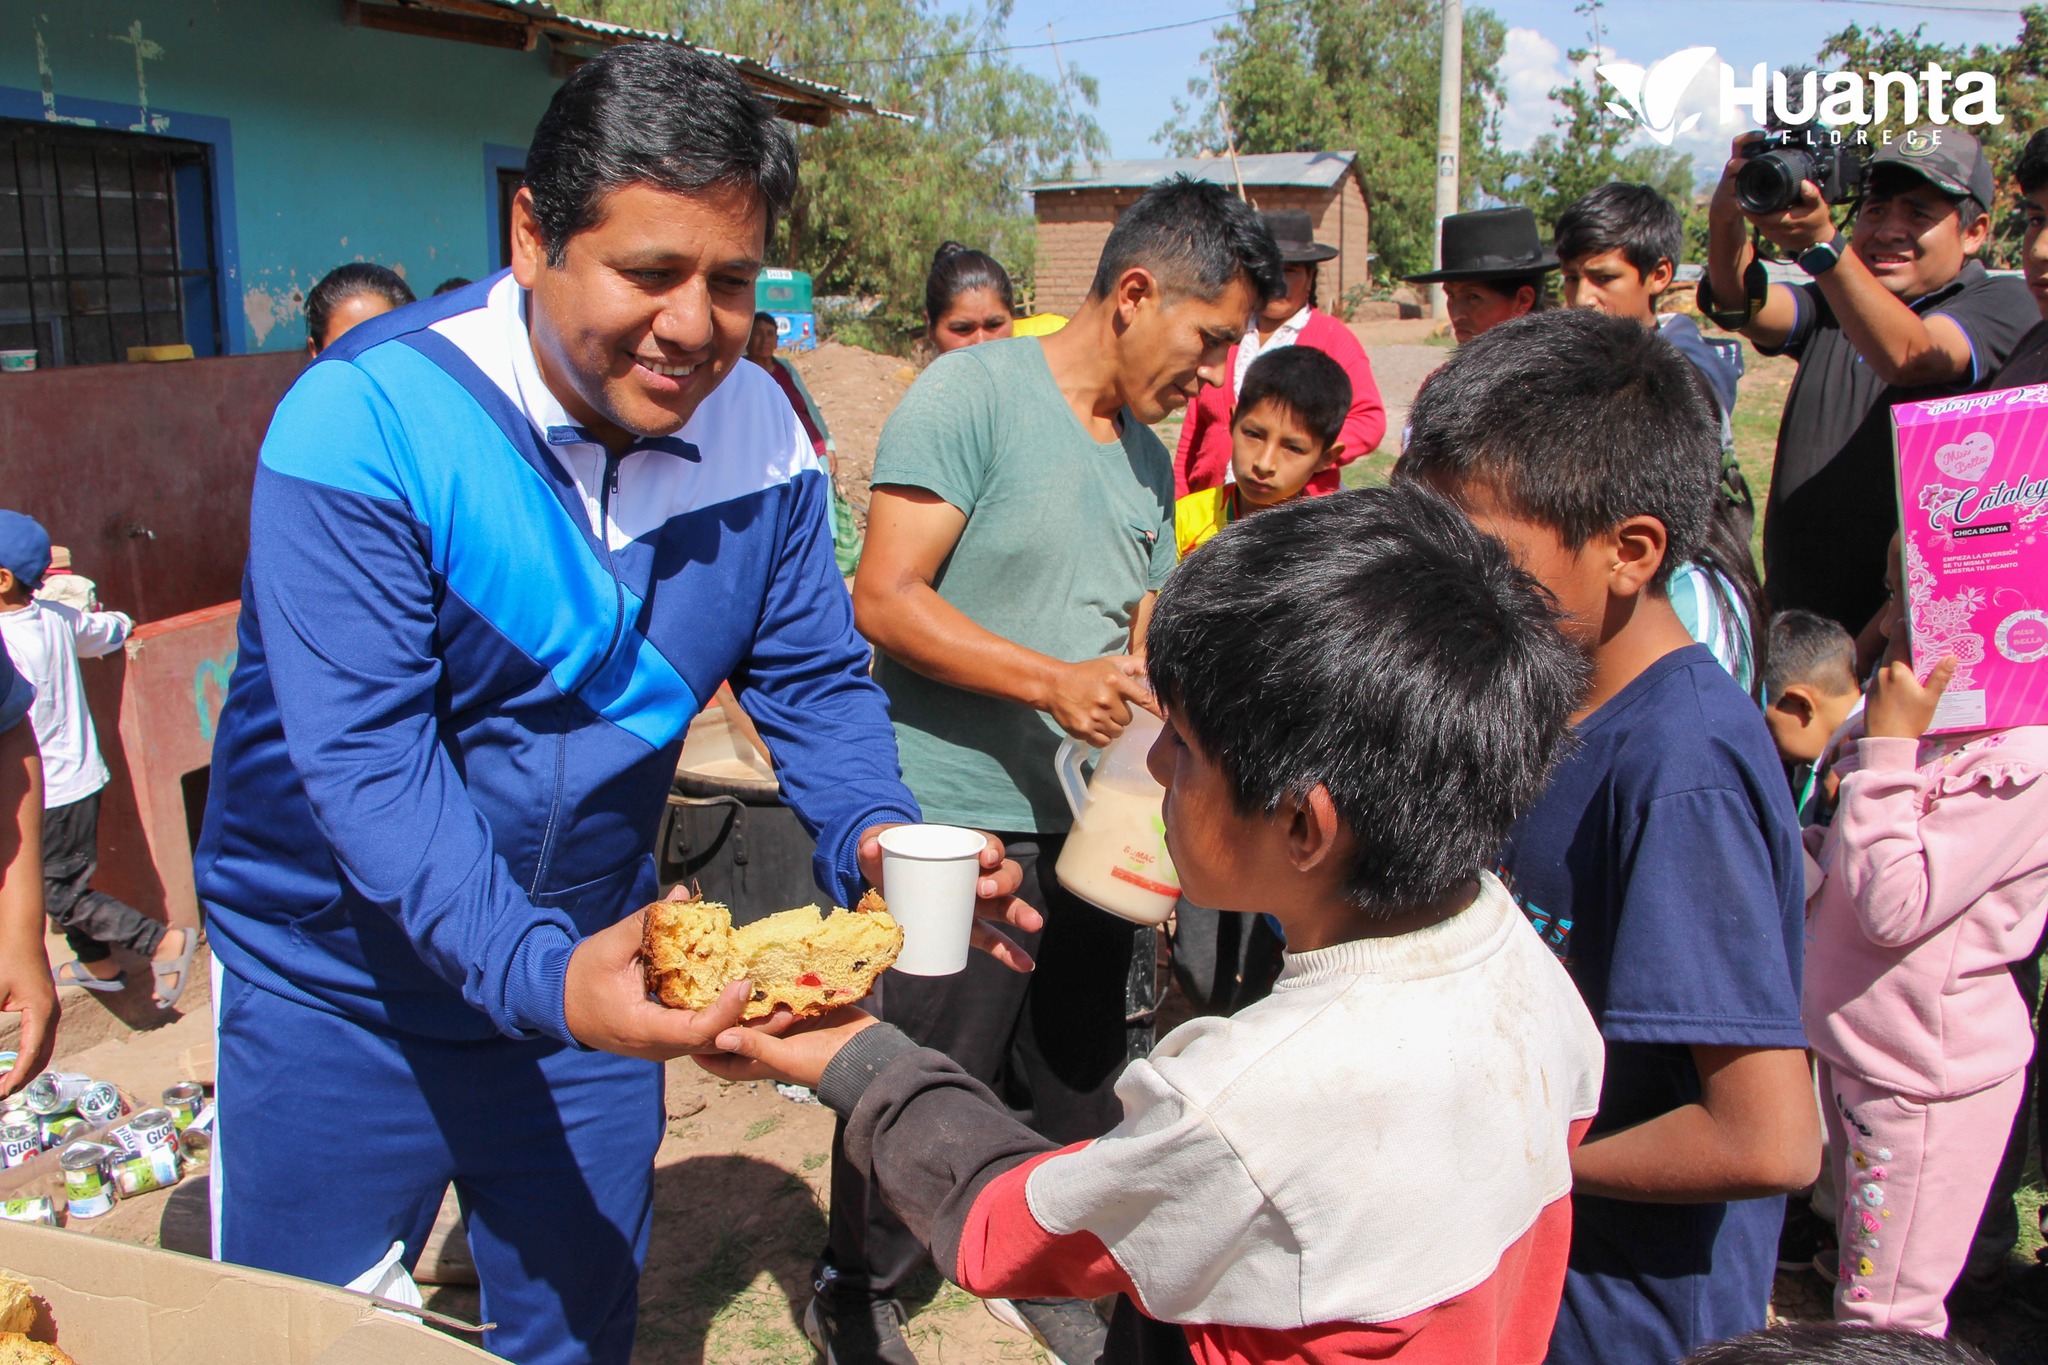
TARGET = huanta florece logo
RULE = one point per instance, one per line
(1652, 96)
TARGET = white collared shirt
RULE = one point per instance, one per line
(1251, 348)
(746, 427)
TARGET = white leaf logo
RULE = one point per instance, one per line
(1651, 96)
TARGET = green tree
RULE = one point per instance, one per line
(879, 194)
(1588, 149)
(1354, 75)
(2021, 72)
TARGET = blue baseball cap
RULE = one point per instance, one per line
(24, 547)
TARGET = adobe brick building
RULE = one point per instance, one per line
(1075, 216)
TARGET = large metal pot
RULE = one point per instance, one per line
(727, 831)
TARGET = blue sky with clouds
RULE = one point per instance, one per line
(1140, 76)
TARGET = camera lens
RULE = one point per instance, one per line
(1770, 183)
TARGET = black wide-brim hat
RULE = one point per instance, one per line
(1295, 234)
(1489, 243)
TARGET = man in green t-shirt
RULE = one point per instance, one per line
(1021, 522)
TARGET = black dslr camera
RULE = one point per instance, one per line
(1779, 160)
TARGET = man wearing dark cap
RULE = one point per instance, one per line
(1291, 319)
(1492, 271)
(1896, 311)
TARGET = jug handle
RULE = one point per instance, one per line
(1067, 763)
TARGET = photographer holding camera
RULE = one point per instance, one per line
(1897, 311)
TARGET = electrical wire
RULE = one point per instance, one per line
(1922, 6)
(1030, 47)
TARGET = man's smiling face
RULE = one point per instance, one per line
(648, 309)
(1913, 240)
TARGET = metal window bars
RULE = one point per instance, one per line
(106, 242)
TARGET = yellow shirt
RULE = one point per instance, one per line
(1038, 325)
(1202, 514)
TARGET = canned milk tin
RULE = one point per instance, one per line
(183, 1100)
(54, 1092)
(99, 1103)
(20, 1139)
(155, 1169)
(148, 1129)
(151, 1128)
(86, 1192)
(58, 1131)
(38, 1208)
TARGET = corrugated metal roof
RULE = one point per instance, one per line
(1313, 170)
(776, 85)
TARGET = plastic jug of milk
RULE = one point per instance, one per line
(1115, 857)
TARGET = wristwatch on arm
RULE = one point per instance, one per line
(1821, 257)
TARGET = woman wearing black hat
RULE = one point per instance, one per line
(1203, 460)
(1493, 269)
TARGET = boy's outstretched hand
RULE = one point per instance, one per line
(1898, 706)
(798, 1057)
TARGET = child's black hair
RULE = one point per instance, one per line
(1374, 642)
(1635, 220)
(1304, 380)
(343, 283)
(1809, 648)
(958, 270)
(1195, 237)
(451, 284)
(1837, 1343)
(1579, 421)
(2031, 170)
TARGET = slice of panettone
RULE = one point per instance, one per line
(17, 1304)
(687, 952)
(802, 960)
(16, 1349)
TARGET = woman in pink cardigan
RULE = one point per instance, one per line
(1203, 460)
(1935, 880)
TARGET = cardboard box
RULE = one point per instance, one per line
(113, 1303)
(1973, 507)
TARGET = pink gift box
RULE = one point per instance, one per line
(1973, 505)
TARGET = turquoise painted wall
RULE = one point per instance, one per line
(341, 144)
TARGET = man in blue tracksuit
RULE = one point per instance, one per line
(504, 545)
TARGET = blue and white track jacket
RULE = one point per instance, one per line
(470, 644)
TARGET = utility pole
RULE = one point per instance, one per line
(1449, 115)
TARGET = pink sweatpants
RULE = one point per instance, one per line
(1913, 1176)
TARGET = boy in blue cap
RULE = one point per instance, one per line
(46, 640)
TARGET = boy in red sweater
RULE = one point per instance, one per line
(1361, 694)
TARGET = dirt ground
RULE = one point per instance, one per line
(855, 390)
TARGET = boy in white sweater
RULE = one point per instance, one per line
(1361, 693)
(46, 641)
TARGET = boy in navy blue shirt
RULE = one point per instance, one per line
(1662, 864)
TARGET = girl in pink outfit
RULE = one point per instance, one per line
(1935, 879)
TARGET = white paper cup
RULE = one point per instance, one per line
(928, 878)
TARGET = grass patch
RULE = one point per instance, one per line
(761, 1128)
